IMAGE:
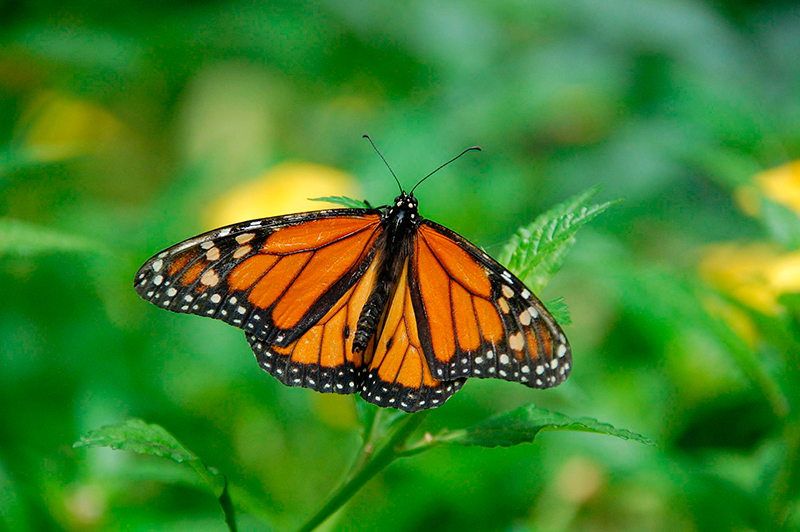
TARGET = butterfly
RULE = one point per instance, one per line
(376, 301)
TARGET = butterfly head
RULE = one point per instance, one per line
(405, 202)
(403, 211)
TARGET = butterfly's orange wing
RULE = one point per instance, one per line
(399, 375)
(275, 278)
(323, 358)
(476, 319)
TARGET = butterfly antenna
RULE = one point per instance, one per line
(471, 148)
(384, 160)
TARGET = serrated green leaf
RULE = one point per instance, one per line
(524, 424)
(536, 252)
(25, 239)
(350, 203)
(146, 438)
(559, 310)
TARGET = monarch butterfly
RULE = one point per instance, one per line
(376, 301)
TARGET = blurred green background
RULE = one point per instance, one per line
(128, 126)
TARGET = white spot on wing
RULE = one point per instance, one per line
(516, 341)
(241, 252)
(244, 238)
(210, 278)
(562, 350)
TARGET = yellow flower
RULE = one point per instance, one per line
(56, 126)
(282, 190)
(780, 185)
(755, 274)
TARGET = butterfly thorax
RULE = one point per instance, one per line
(400, 221)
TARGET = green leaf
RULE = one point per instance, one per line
(140, 437)
(145, 438)
(524, 424)
(781, 222)
(536, 252)
(559, 310)
(343, 200)
(25, 239)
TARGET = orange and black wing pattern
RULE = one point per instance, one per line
(369, 301)
(323, 358)
(275, 278)
(398, 374)
(476, 319)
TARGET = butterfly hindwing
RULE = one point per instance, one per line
(398, 374)
(481, 321)
(274, 277)
(323, 358)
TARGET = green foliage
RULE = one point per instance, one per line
(525, 423)
(559, 309)
(140, 437)
(350, 203)
(146, 438)
(18, 238)
(781, 223)
(14, 159)
(537, 251)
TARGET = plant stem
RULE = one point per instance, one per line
(782, 488)
(227, 508)
(367, 466)
(219, 485)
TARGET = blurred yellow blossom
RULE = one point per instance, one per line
(781, 185)
(56, 126)
(282, 190)
(755, 274)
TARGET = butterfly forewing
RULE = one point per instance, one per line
(481, 320)
(274, 278)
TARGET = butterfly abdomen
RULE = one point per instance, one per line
(370, 316)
